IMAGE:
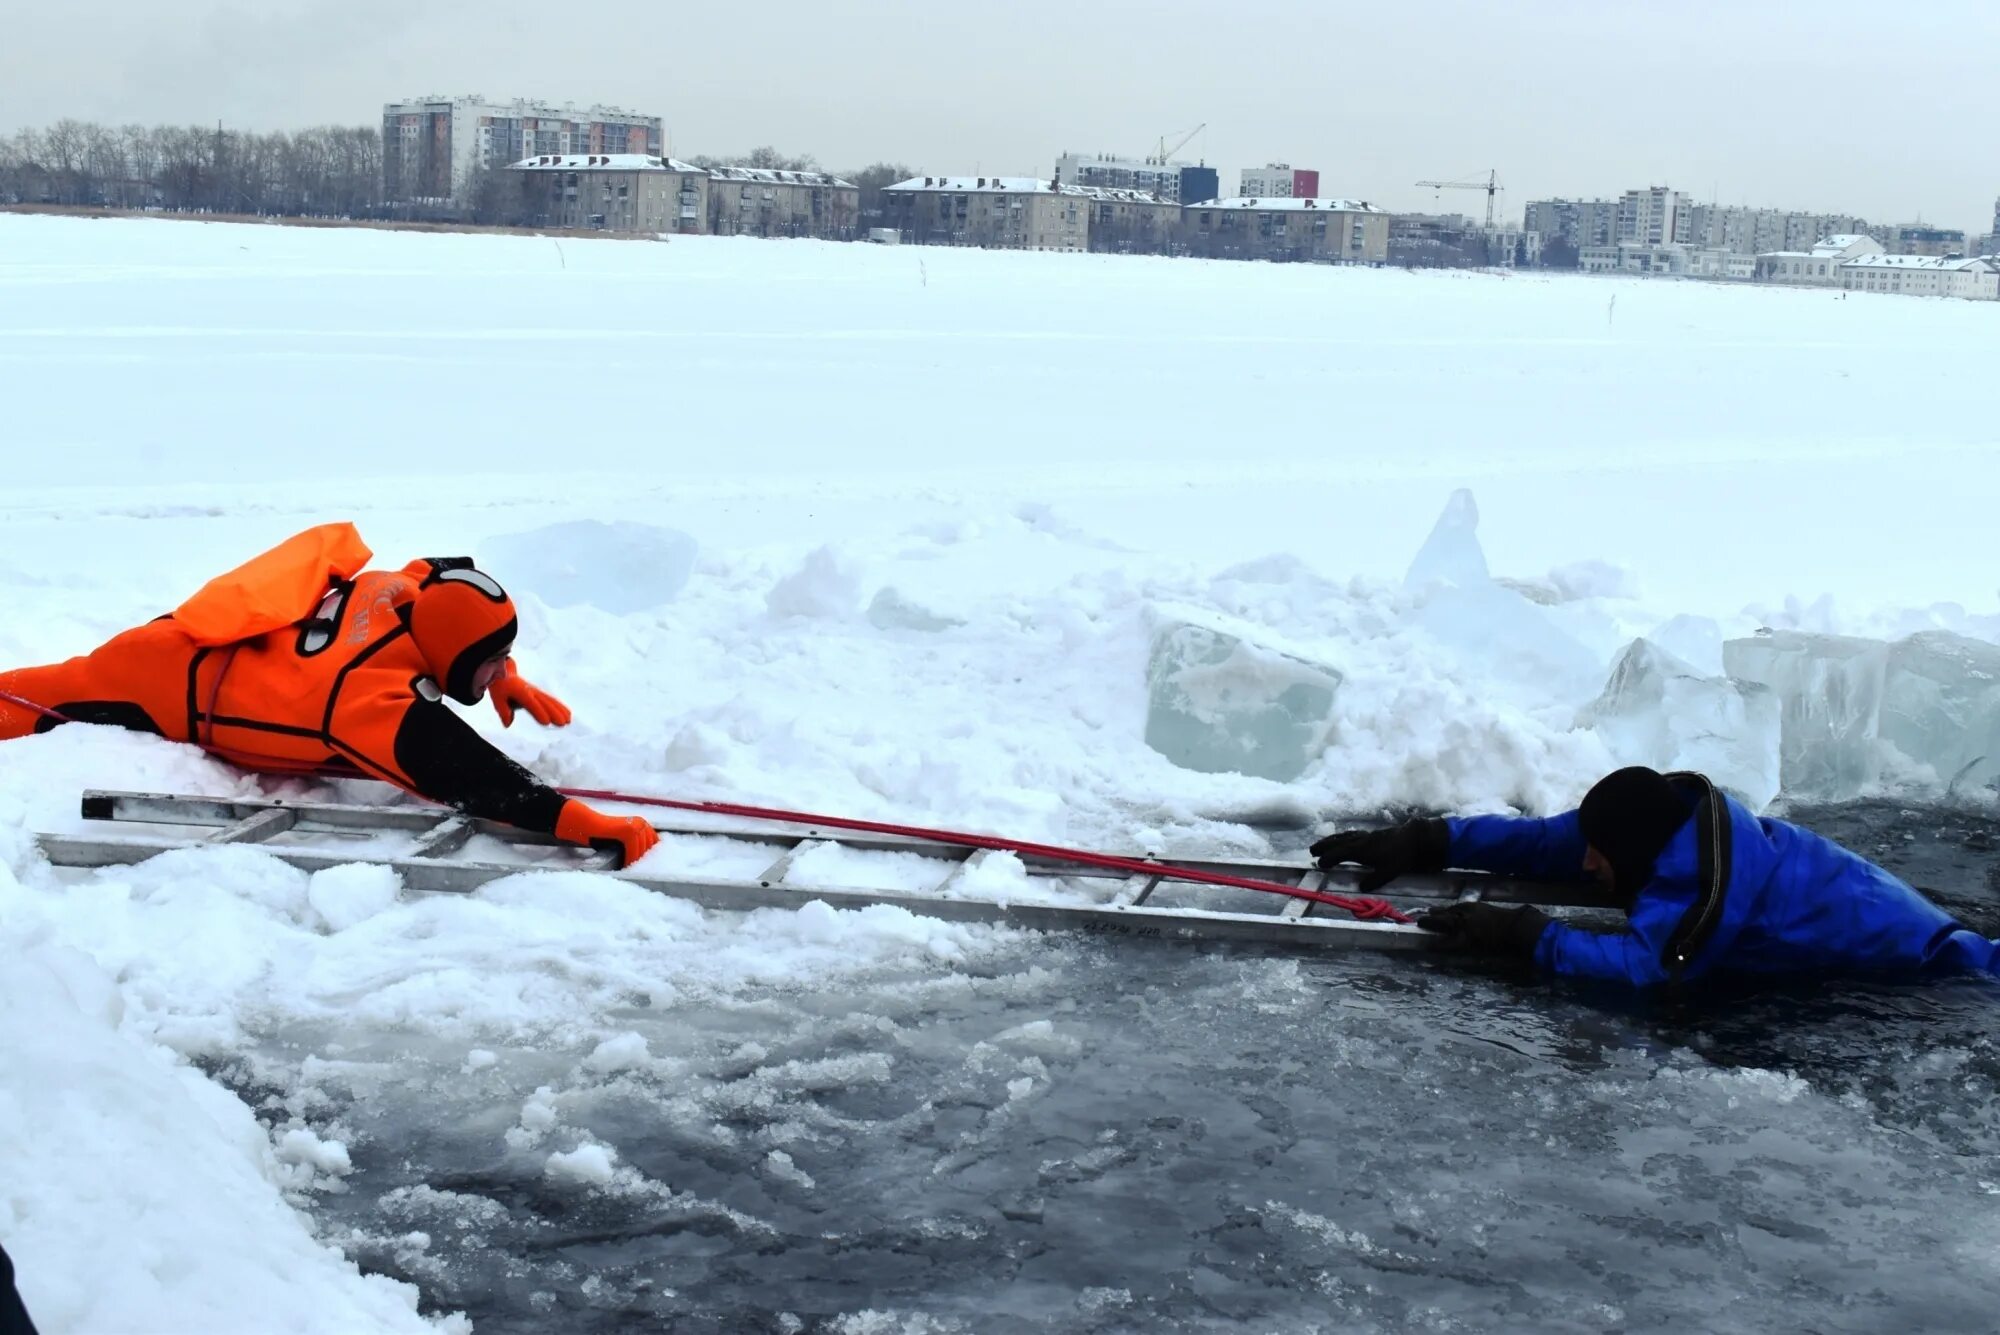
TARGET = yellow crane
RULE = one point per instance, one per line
(1160, 158)
(1491, 185)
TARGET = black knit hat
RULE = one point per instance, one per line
(1629, 817)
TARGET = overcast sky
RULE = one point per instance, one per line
(1834, 105)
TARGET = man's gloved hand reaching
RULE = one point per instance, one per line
(1418, 845)
(512, 691)
(1488, 929)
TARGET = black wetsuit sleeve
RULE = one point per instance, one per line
(14, 1319)
(448, 762)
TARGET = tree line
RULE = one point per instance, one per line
(327, 171)
(332, 171)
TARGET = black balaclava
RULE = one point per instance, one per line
(1628, 817)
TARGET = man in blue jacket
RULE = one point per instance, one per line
(1706, 888)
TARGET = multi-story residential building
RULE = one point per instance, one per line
(1748, 231)
(1575, 222)
(764, 201)
(1277, 180)
(614, 192)
(1344, 230)
(1921, 275)
(1131, 222)
(431, 146)
(1656, 216)
(1818, 267)
(1435, 240)
(1922, 239)
(1169, 182)
(1001, 212)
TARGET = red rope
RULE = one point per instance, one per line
(1364, 908)
(34, 708)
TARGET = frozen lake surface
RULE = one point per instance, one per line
(1108, 552)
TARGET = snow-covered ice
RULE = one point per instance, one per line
(619, 567)
(905, 551)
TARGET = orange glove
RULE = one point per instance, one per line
(579, 824)
(511, 691)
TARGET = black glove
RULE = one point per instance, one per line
(1488, 929)
(1418, 845)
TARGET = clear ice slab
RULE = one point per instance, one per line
(1220, 704)
(1857, 712)
(1661, 711)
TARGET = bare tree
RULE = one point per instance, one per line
(871, 180)
(325, 171)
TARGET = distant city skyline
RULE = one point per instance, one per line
(1838, 111)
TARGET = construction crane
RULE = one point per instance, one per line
(1165, 152)
(1491, 185)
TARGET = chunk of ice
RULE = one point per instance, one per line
(1941, 706)
(1696, 641)
(617, 567)
(1857, 711)
(1500, 633)
(1830, 703)
(891, 610)
(826, 585)
(1493, 626)
(1221, 704)
(1658, 710)
(1451, 554)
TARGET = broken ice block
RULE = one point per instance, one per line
(1695, 640)
(1830, 701)
(1658, 710)
(1493, 627)
(891, 610)
(1501, 634)
(1221, 704)
(1941, 706)
(1451, 554)
(618, 567)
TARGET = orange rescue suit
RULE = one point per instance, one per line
(345, 688)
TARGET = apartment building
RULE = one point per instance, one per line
(1655, 216)
(763, 201)
(997, 212)
(615, 192)
(1277, 180)
(1923, 239)
(431, 146)
(1344, 230)
(1575, 222)
(1169, 182)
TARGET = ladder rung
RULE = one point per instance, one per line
(1137, 889)
(256, 829)
(775, 873)
(1299, 908)
(966, 864)
(443, 839)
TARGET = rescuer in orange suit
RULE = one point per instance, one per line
(300, 661)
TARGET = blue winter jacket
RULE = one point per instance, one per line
(1730, 894)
